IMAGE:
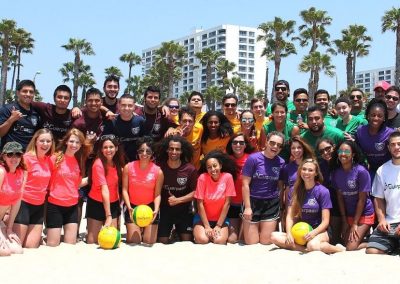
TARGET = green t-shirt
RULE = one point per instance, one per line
(293, 118)
(334, 134)
(361, 115)
(350, 127)
(330, 120)
(290, 106)
(287, 132)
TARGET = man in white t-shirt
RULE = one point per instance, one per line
(386, 190)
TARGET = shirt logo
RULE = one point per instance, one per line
(312, 202)
(135, 130)
(181, 181)
(276, 170)
(156, 127)
(351, 184)
(379, 146)
(34, 121)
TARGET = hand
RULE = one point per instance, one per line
(155, 213)
(289, 239)
(76, 112)
(172, 200)
(170, 132)
(130, 209)
(108, 221)
(15, 114)
(332, 112)
(216, 232)
(353, 234)
(383, 226)
(247, 214)
(397, 230)
(209, 232)
(165, 111)
(110, 115)
(348, 137)
(310, 236)
(13, 236)
(302, 125)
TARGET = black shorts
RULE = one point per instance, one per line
(181, 218)
(84, 193)
(128, 219)
(385, 242)
(95, 210)
(264, 209)
(30, 214)
(234, 212)
(57, 216)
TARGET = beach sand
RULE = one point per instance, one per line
(189, 263)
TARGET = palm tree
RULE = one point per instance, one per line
(132, 59)
(224, 67)
(86, 80)
(317, 62)
(7, 28)
(208, 58)
(78, 47)
(391, 21)
(172, 55)
(236, 85)
(113, 70)
(135, 84)
(354, 43)
(183, 98)
(22, 42)
(278, 45)
(247, 93)
(213, 94)
(313, 31)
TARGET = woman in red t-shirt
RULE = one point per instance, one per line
(141, 184)
(29, 221)
(12, 182)
(214, 190)
(105, 178)
(67, 166)
(239, 148)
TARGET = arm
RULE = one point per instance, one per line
(125, 194)
(157, 193)
(76, 112)
(203, 217)
(380, 210)
(247, 213)
(84, 182)
(295, 131)
(14, 116)
(289, 225)
(342, 210)
(172, 200)
(105, 195)
(224, 212)
(321, 227)
(262, 140)
(362, 198)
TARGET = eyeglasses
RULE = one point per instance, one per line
(358, 97)
(301, 100)
(346, 152)
(11, 155)
(388, 97)
(141, 152)
(230, 105)
(280, 89)
(235, 142)
(258, 107)
(174, 107)
(108, 137)
(244, 120)
(327, 149)
(273, 144)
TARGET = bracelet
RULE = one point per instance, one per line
(109, 215)
(218, 225)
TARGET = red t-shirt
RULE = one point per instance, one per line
(65, 181)
(99, 178)
(11, 189)
(238, 199)
(38, 179)
(142, 183)
(213, 193)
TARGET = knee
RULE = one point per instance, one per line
(313, 246)
(265, 240)
(5, 252)
(220, 241)
(232, 239)
(202, 240)
(374, 251)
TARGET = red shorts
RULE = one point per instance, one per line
(364, 220)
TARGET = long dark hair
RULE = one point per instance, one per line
(162, 147)
(357, 157)
(225, 127)
(228, 164)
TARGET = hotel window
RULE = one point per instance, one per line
(242, 54)
(243, 33)
(242, 47)
(211, 34)
(251, 41)
(251, 47)
(242, 40)
(221, 46)
(242, 61)
(221, 32)
(212, 41)
(221, 38)
(251, 34)
(204, 36)
(251, 55)
(242, 69)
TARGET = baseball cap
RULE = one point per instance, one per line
(12, 147)
(382, 84)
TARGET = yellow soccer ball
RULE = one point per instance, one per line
(109, 238)
(299, 230)
(142, 215)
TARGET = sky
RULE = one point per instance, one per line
(117, 27)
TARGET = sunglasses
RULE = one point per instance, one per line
(244, 120)
(327, 149)
(258, 107)
(358, 97)
(174, 107)
(273, 144)
(280, 89)
(346, 152)
(388, 97)
(148, 152)
(196, 100)
(11, 155)
(301, 100)
(230, 105)
(238, 142)
(108, 137)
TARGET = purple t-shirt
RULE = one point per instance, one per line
(289, 173)
(374, 146)
(316, 199)
(350, 184)
(264, 174)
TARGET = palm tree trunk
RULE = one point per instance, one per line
(266, 82)
(353, 75)
(349, 62)
(18, 68)
(171, 83)
(76, 75)
(4, 65)
(310, 80)
(129, 78)
(397, 71)
(13, 75)
(276, 76)
(314, 87)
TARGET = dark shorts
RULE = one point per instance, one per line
(57, 216)
(181, 218)
(30, 214)
(264, 209)
(335, 203)
(128, 219)
(95, 210)
(197, 220)
(84, 193)
(234, 211)
(385, 242)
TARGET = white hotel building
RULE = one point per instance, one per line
(366, 80)
(235, 43)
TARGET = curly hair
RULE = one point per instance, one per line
(227, 163)
(186, 149)
(225, 127)
(355, 150)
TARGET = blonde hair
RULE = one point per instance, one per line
(31, 148)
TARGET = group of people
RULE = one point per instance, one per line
(216, 176)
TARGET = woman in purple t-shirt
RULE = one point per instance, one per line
(353, 184)
(310, 203)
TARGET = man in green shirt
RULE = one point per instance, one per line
(318, 129)
(357, 99)
(281, 93)
(322, 99)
